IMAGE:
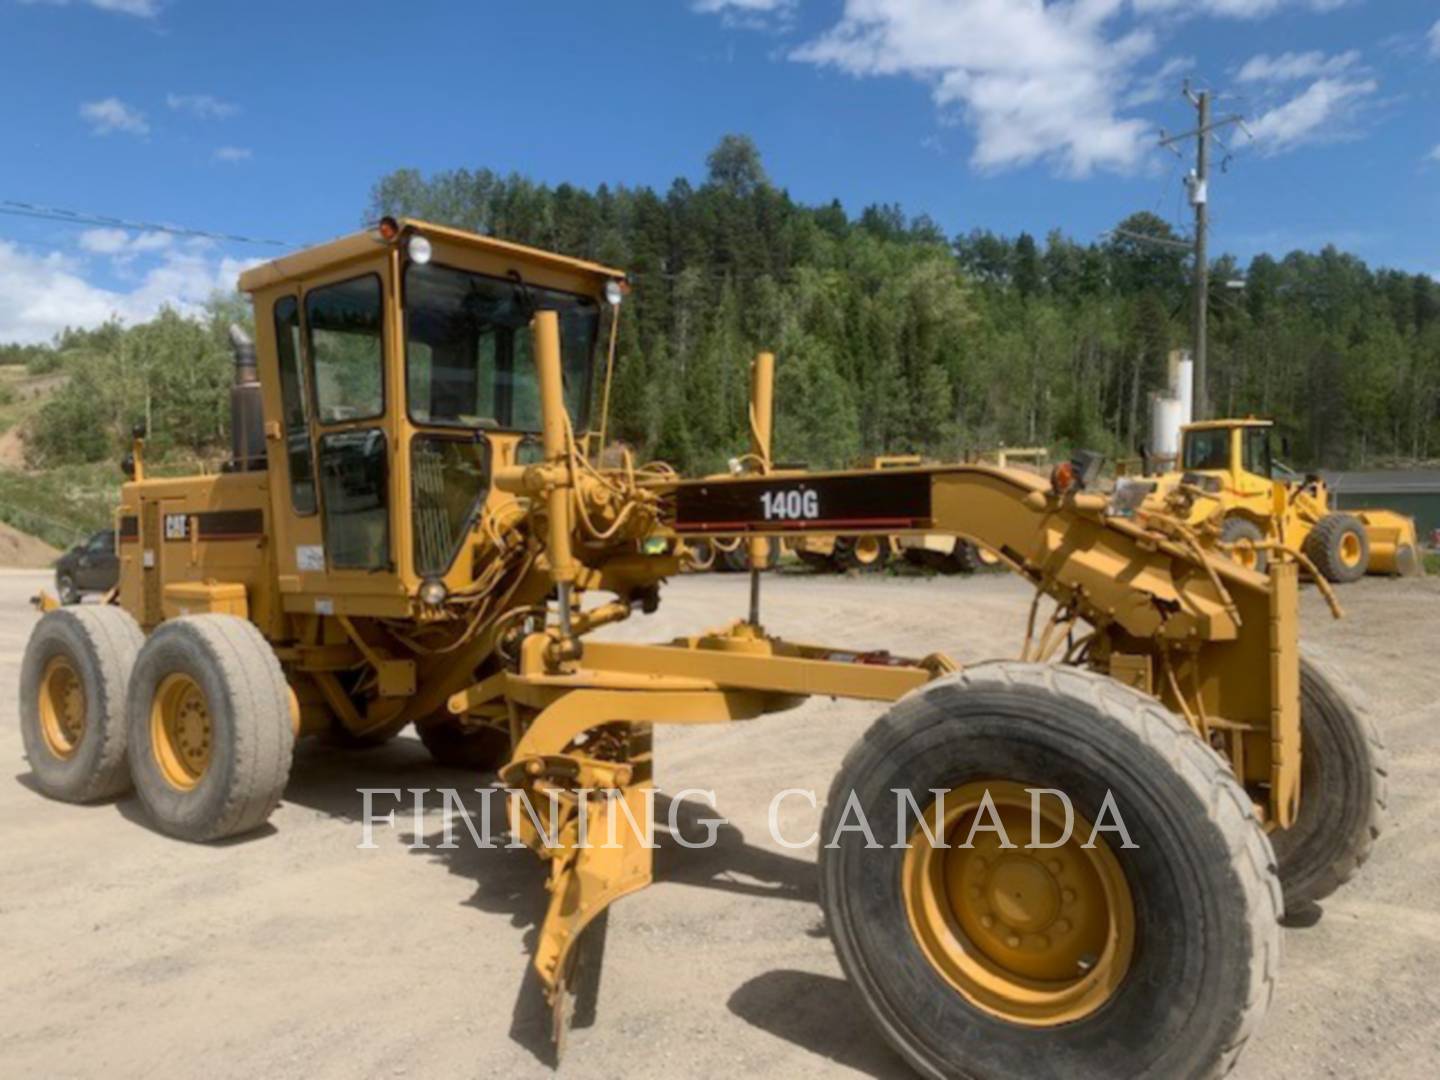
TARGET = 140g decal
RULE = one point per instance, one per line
(793, 505)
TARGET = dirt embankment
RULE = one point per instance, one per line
(18, 549)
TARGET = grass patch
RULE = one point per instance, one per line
(1432, 562)
(63, 505)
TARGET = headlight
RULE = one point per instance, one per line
(614, 293)
(433, 592)
(418, 248)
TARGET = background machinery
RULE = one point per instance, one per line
(1227, 487)
(411, 532)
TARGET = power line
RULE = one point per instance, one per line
(15, 208)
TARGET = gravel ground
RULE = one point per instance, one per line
(292, 953)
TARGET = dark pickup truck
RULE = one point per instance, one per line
(91, 566)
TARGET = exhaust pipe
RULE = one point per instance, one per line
(247, 409)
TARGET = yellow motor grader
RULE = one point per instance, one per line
(1226, 488)
(1070, 863)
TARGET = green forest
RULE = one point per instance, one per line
(892, 336)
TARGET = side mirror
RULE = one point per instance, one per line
(139, 431)
(127, 465)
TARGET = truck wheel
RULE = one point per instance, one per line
(1237, 529)
(987, 961)
(1343, 789)
(209, 727)
(65, 586)
(865, 554)
(472, 749)
(1339, 548)
(965, 559)
(814, 560)
(72, 701)
(737, 559)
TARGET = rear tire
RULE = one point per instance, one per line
(815, 561)
(965, 559)
(210, 734)
(1343, 791)
(472, 749)
(1189, 995)
(1339, 548)
(1237, 529)
(72, 701)
(863, 554)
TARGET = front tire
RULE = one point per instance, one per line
(1247, 534)
(65, 586)
(481, 749)
(1343, 791)
(1189, 993)
(210, 734)
(1340, 548)
(72, 701)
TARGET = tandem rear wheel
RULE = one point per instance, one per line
(1149, 952)
(209, 729)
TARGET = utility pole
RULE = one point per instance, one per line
(1199, 184)
(1199, 199)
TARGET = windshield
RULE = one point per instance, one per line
(467, 348)
(1208, 449)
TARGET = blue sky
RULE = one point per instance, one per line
(273, 120)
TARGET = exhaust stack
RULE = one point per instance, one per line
(247, 413)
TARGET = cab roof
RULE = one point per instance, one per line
(314, 260)
(1215, 425)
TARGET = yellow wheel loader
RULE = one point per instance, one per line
(1069, 862)
(1228, 490)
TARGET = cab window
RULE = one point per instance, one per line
(294, 406)
(1257, 451)
(354, 473)
(1208, 449)
(345, 325)
(467, 346)
(450, 475)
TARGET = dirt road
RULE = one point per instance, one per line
(292, 953)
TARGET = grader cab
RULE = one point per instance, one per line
(1073, 861)
(1231, 484)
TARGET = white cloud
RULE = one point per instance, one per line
(1434, 37)
(1036, 81)
(1320, 113)
(111, 115)
(42, 293)
(1233, 9)
(205, 106)
(145, 9)
(1290, 66)
(1055, 81)
(1162, 83)
(1434, 154)
(232, 153)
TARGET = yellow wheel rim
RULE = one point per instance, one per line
(180, 731)
(867, 550)
(1244, 553)
(62, 707)
(1350, 549)
(1034, 936)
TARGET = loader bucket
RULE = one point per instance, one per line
(1394, 544)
